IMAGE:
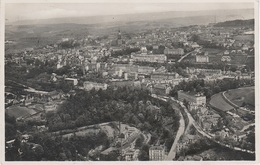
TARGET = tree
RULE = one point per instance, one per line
(185, 103)
(195, 38)
(139, 142)
(143, 156)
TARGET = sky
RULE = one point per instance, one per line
(31, 11)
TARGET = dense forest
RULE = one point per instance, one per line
(236, 23)
(127, 104)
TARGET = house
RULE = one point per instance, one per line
(72, 81)
(195, 45)
(9, 144)
(49, 107)
(25, 138)
(185, 141)
(202, 58)
(143, 49)
(54, 95)
(28, 100)
(164, 76)
(145, 70)
(131, 154)
(238, 136)
(206, 72)
(223, 133)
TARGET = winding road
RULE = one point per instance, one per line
(208, 135)
(172, 152)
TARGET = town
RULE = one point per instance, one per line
(161, 94)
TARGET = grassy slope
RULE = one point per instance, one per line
(238, 96)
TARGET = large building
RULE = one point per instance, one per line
(178, 51)
(194, 99)
(130, 69)
(207, 72)
(90, 85)
(159, 58)
(164, 76)
(156, 153)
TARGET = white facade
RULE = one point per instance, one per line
(90, 85)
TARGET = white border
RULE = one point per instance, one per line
(257, 103)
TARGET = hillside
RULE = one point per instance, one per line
(235, 23)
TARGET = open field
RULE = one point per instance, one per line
(240, 95)
(217, 101)
(18, 111)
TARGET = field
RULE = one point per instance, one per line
(18, 111)
(218, 101)
(240, 95)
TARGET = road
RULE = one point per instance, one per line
(188, 54)
(247, 126)
(172, 153)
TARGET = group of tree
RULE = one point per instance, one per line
(236, 23)
(125, 51)
(134, 106)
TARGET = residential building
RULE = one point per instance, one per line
(50, 107)
(185, 141)
(192, 98)
(178, 51)
(131, 154)
(53, 95)
(206, 72)
(156, 153)
(159, 58)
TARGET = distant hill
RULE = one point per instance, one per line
(215, 16)
(236, 23)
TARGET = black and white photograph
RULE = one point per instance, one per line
(129, 81)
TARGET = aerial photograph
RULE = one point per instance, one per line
(129, 81)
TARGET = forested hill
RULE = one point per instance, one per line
(249, 22)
